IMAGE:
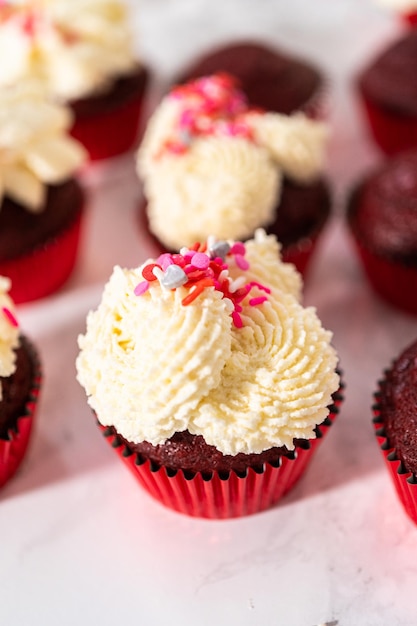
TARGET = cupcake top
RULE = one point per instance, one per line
(383, 210)
(212, 340)
(35, 148)
(270, 78)
(391, 80)
(74, 48)
(9, 332)
(218, 164)
(397, 407)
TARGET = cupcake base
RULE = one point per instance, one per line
(38, 251)
(14, 442)
(218, 495)
(108, 125)
(405, 483)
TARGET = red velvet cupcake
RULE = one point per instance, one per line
(20, 380)
(270, 78)
(210, 164)
(388, 88)
(395, 423)
(42, 203)
(83, 54)
(382, 216)
(186, 370)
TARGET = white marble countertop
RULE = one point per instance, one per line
(81, 543)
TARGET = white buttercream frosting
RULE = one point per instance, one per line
(74, 47)
(35, 148)
(152, 366)
(217, 168)
(9, 331)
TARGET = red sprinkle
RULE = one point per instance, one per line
(258, 300)
(197, 289)
(147, 272)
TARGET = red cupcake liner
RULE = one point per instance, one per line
(392, 132)
(14, 448)
(405, 482)
(395, 282)
(43, 270)
(108, 134)
(218, 495)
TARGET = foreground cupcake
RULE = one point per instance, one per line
(82, 52)
(270, 78)
(396, 426)
(20, 380)
(209, 378)
(388, 89)
(41, 201)
(212, 165)
(382, 217)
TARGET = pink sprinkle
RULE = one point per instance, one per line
(237, 320)
(259, 300)
(10, 317)
(238, 248)
(200, 260)
(261, 287)
(241, 262)
(141, 288)
(164, 260)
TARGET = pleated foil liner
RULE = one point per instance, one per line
(13, 449)
(218, 495)
(405, 482)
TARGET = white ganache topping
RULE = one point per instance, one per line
(213, 340)
(35, 147)
(73, 47)
(9, 331)
(209, 164)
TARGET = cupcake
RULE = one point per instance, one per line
(395, 423)
(207, 376)
(271, 79)
(388, 91)
(20, 379)
(212, 165)
(41, 201)
(382, 218)
(82, 53)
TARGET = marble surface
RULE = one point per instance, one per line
(81, 543)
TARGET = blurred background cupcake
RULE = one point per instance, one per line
(20, 380)
(406, 9)
(270, 78)
(212, 165)
(382, 217)
(395, 422)
(42, 202)
(82, 51)
(209, 379)
(387, 87)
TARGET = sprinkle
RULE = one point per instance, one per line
(7, 312)
(141, 288)
(237, 320)
(148, 271)
(241, 262)
(253, 283)
(200, 260)
(238, 248)
(164, 260)
(258, 300)
(219, 249)
(197, 289)
(236, 284)
(174, 277)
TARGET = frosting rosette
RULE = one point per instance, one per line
(35, 148)
(199, 341)
(9, 331)
(73, 48)
(218, 165)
